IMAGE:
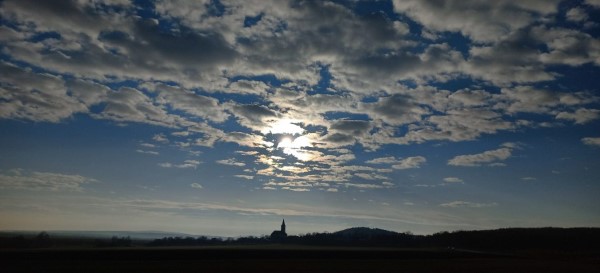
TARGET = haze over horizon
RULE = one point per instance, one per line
(222, 117)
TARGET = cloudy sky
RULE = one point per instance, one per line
(222, 117)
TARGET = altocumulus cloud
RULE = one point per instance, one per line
(303, 97)
(196, 186)
(488, 157)
(592, 141)
(465, 204)
(42, 181)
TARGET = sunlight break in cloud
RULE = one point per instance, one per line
(294, 147)
(283, 126)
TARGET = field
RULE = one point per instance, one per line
(289, 259)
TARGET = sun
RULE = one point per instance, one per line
(294, 147)
(285, 142)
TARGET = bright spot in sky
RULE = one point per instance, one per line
(283, 126)
(294, 147)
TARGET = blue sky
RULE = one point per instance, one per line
(222, 117)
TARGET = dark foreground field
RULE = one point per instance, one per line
(289, 259)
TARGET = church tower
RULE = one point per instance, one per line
(283, 226)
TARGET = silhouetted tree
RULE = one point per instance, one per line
(42, 240)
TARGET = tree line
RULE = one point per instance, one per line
(500, 239)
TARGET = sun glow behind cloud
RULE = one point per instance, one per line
(283, 126)
(294, 147)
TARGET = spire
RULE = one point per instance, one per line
(283, 226)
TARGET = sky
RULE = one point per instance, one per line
(223, 117)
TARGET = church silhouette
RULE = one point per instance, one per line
(279, 234)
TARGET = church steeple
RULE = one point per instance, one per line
(283, 226)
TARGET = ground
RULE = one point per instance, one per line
(290, 259)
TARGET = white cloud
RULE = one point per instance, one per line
(482, 21)
(248, 177)
(370, 59)
(580, 116)
(382, 160)
(576, 15)
(147, 152)
(592, 141)
(369, 176)
(465, 204)
(160, 138)
(363, 185)
(187, 164)
(231, 162)
(42, 181)
(528, 178)
(196, 186)
(35, 96)
(190, 102)
(453, 180)
(487, 157)
(295, 189)
(410, 163)
(595, 3)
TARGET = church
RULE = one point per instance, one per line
(279, 234)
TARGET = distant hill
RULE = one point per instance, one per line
(364, 233)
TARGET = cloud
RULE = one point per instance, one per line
(147, 152)
(400, 164)
(465, 204)
(528, 178)
(196, 186)
(482, 21)
(580, 116)
(43, 181)
(231, 162)
(351, 127)
(35, 96)
(382, 160)
(248, 177)
(369, 176)
(576, 14)
(317, 70)
(594, 3)
(160, 138)
(410, 163)
(190, 102)
(187, 164)
(592, 141)
(487, 157)
(364, 185)
(396, 110)
(253, 116)
(295, 189)
(132, 105)
(453, 180)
